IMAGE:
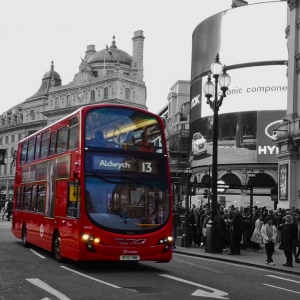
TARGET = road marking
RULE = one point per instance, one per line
(199, 266)
(107, 283)
(235, 264)
(39, 283)
(41, 256)
(214, 294)
(276, 287)
(283, 278)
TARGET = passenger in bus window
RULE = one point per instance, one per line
(129, 141)
(144, 145)
(99, 140)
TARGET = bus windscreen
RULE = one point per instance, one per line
(117, 128)
(125, 204)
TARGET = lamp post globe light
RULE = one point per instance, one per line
(213, 235)
(188, 172)
(251, 176)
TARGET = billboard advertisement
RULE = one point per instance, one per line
(257, 96)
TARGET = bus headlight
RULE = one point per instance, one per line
(85, 237)
(166, 240)
(90, 239)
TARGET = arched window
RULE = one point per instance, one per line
(92, 96)
(231, 179)
(106, 93)
(127, 94)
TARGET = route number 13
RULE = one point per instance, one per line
(147, 167)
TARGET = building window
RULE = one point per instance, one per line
(11, 168)
(126, 73)
(56, 102)
(13, 138)
(1, 141)
(6, 139)
(106, 93)
(95, 73)
(109, 72)
(92, 96)
(68, 100)
(19, 137)
(127, 94)
(5, 169)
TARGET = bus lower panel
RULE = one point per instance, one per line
(113, 253)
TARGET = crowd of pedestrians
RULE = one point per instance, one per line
(241, 230)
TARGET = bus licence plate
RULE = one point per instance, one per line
(129, 257)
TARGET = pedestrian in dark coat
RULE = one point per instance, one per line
(9, 209)
(288, 234)
(222, 226)
(236, 233)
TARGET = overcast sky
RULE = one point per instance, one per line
(35, 32)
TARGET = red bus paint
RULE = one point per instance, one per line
(89, 195)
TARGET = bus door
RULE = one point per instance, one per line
(67, 212)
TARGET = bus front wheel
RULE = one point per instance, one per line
(24, 237)
(56, 248)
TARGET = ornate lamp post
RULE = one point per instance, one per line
(213, 238)
(188, 172)
(251, 176)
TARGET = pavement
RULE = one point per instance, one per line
(248, 258)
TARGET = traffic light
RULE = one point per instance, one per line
(205, 192)
(193, 191)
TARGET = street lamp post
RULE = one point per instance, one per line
(251, 176)
(213, 237)
(188, 172)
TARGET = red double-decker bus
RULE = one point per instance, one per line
(96, 186)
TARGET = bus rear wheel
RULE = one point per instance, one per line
(24, 237)
(56, 248)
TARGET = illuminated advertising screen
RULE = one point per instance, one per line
(257, 96)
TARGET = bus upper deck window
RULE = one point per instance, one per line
(23, 153)
(44, 144)
(73, 134)
(52, 143)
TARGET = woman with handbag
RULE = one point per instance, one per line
(256, 236)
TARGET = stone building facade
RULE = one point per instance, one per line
(110, 75)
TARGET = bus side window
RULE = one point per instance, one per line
(73, 134)
(37, 147)
(27, 197)
(73, 200)
(62, 140)
(23, 153)
(19, 198)
(45, 144)
(52, 143)
(32, 206)
(41, 197)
